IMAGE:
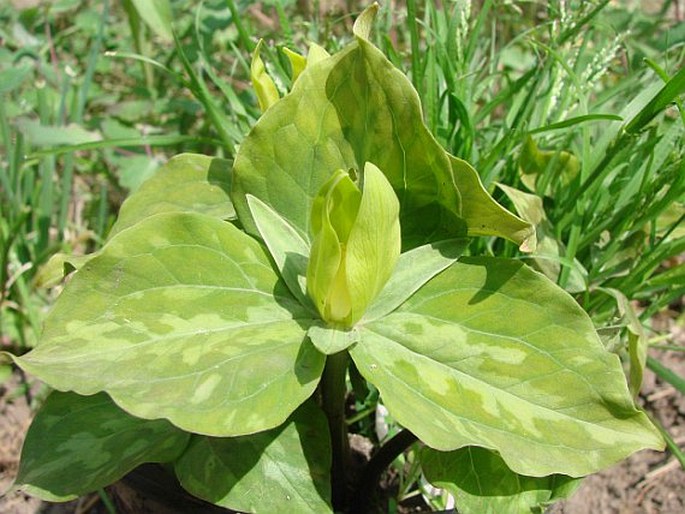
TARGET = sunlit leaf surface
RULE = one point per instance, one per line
(183, 317)
(491, 353)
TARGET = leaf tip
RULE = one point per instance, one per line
(364, 23)
(264, 85)
(530, 241)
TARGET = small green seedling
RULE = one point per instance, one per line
(216, 328)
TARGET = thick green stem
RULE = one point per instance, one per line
(333, 389)
(370, 478)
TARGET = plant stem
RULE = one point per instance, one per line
(333, 389)
(368, 481)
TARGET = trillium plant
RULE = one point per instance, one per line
(218, 328)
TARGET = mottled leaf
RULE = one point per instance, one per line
(344, 111)
(183, 317)
(414, 268)
(187, 183)
(481, 482)
(493, 354)
(78, 444)
(286, 469)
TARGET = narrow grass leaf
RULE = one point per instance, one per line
(42, 135)
(666, 374)
(574, 121)
(666, 95)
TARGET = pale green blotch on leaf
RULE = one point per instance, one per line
(356, 244)
(78, 444)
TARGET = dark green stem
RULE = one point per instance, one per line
(369, 479)
(333, 389)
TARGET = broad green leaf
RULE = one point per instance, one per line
(187, 183)
(548, 253)
(483, 215)
(481, 482)
(286, 469)
(182, 316)
(157, 14)
(134, 170)
(364, 22)
(492, 354)
(330, 340)
(263, 84)
(289, 250)
(414, 268)
(78, 444)
(344, 111)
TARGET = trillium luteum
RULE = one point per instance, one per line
(355, 246)
(217, 310)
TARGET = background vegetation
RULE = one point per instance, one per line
(569, 110)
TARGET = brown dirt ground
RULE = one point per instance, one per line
(646, 483)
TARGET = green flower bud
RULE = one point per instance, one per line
(356, 244)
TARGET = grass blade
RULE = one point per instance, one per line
(668, 94)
